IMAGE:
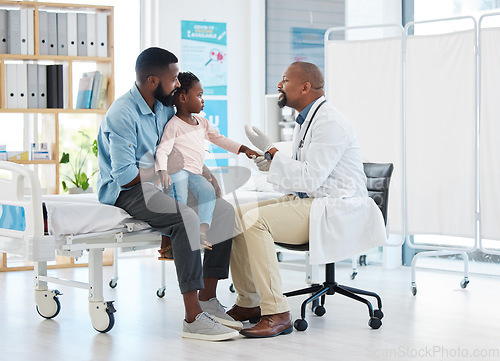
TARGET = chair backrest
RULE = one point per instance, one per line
(378, 179)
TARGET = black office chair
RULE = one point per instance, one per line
(378, 179)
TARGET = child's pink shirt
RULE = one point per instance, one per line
(189, 140)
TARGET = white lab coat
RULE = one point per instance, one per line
(344, 221)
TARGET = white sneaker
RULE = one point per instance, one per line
(204, 327)
(214, 308)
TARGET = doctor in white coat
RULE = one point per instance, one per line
(327, 203)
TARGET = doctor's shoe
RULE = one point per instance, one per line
(270, 326)
(204, 327)
(239, 313)
(214, 308)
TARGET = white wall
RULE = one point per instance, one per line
(245, 50)
(372, 12)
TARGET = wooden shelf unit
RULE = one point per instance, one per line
(106, 63)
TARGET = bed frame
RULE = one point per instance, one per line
(19, 187)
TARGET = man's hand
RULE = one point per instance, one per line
(258, 138)
(208, 175)
(175, 162)
(163, 179)
(250, 153)
(262, 163)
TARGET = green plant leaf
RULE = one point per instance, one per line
(64, 158)
(65, 187)
(95, 149)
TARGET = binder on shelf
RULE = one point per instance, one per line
(14, 31)
(24, 30)
(60, 87)
(11, 86)
(102, 92)
(52, 86)
(31, 33)
(42, 86)
(81, 34)
(3, 31)
(91, 35)
(22, 86)
(102, 34)
(32, 86)
(84, 93)
(62, 33)
(71, 34)
(43, 43)
(95, 90)
(52, 33)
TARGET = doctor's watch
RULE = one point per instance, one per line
(270, 153)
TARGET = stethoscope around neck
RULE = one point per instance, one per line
(301, 143)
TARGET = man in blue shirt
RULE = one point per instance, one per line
(128, 136)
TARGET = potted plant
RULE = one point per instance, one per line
(79, 179)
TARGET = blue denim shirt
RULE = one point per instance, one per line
(127, 140)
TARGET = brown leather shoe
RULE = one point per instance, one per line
(239, 313)
(270, 326)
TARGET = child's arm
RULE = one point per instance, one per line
(250, 153)
(165, 147)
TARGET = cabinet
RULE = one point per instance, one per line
(42, 124)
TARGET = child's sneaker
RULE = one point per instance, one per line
(214, 308)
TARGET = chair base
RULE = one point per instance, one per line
(330, 287)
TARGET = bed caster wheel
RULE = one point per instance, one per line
(231, 288)
(320, 311)
(353, 275)
(102, 316)
(279, 255)
(413, 288)
(464, 282)
(47, 303)
(160, 292)
(113, 283)
(378, 314)
(375, 323)
(300, 324)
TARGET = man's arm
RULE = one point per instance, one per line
(144, 175)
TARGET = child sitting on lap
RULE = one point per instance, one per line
(187, 131)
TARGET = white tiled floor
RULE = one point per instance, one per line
(440, 322)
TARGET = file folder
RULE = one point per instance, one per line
(11, 86)
(3, 31)
(42, 86)
(32, 91)
(22, 86)
(91, 35)
(24, 30)
(60, 87)
(102, 34)
(31, 33)
(52, 33)
(51, 86)
(71, 35)
(62, 34)
(14, 31)
(43, 44)
(81, 33)
(103, 92)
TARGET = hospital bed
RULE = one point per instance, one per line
(38, 227)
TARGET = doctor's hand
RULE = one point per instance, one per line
(258, 138)
(262, 163)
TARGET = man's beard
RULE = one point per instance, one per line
(282, 101)
(166, 99)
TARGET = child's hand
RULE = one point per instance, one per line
(250, 153)
(164, 179)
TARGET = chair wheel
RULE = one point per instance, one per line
(231, 288)
(353, 275)
(113, 283)
(464, 282)
(320, 311)
(160, 292)
(375, 323)
(300, 324)
(379, 314)
(414, 289)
